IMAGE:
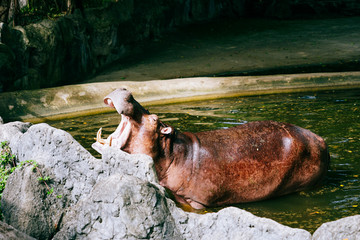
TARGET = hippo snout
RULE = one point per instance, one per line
(123, 101)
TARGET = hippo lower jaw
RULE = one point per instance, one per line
(117, 139)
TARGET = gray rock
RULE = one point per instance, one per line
(13, 131)
(141, 166)
(121, 207)
(70, 164)
(7, 232)
(72, 170)
(344, 228)
(233, 223)
(25, 206)
(1, 120)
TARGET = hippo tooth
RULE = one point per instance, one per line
(98, 137)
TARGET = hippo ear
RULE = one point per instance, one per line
(166, 130)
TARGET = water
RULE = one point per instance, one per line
(334, 115)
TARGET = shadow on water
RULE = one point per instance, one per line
(334, 115)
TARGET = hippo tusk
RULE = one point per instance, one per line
(98, 137)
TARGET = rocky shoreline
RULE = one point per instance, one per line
(116, 197)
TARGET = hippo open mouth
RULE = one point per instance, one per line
(130, 110)
(119, 137)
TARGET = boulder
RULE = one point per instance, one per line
(71, 169)
(121, 207)
(232, 223)
(344, 228)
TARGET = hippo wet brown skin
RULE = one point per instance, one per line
(249, 162)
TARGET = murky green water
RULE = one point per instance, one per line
(334, 115)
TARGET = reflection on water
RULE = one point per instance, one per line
(334, 115)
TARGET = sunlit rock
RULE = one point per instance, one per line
(344, 228)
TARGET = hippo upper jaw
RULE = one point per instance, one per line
(125, 104)
(130, 110)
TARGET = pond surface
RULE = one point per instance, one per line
(334, 115)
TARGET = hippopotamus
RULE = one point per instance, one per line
(246, 163)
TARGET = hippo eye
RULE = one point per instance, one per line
(130, 98)
(154, 118)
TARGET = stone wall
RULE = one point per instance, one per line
(63, 51)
